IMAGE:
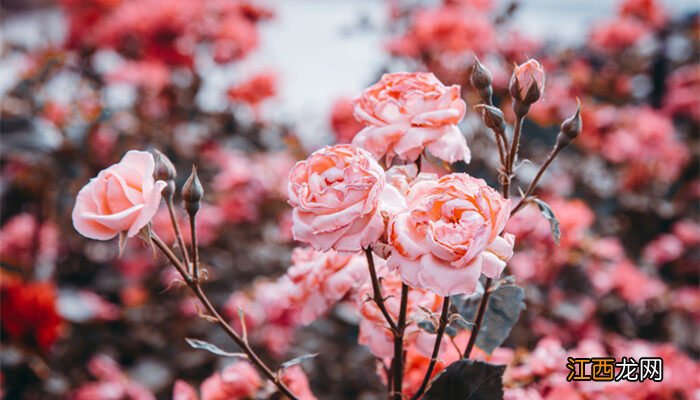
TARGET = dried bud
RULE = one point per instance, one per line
(165, 171)
(570, 128)
(527, 82)
(492, 116)
(192, 192)
(481, 79)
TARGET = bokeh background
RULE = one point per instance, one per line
(244, 89)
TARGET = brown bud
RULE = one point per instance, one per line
(192, 192)
(481, 79)
(570, 128)
(164, 171)
(492, 117)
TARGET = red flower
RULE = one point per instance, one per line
(29, 313)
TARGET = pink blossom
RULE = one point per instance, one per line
(449, 234)
(618, 34)
(255, 90)
(238, 381)
(663, 249)
(681, 97)
(122, 198)
(19, 238)
(336, 195)
(322, 279)
(648, 11)
(295, 379)
(407, 113)
(635, 286)
(448, 30)
(184, 391)
(344, 124)
(112, 383)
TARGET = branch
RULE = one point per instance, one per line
(377, 291)
(398, 344)
(533, 185)
(243, 344)
(436, 348)
(479, 318)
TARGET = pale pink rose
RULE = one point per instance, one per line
(295, 379)
(337, 194)
(238, 381)
(122, 198)
(449, 234)
(323, 279)
(524, 76)
(406, 113)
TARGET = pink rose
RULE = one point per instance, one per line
(297, 382)
(122, 198)
(449, 234)
(336, 195)
(406, 113)
(322, 279)
(239, 380)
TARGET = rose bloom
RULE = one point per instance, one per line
(122, 198)
(336, 195)
(19, 237)
(407, 113)
(254, 90)
(449, 234)
(618, 34)
(112, 383)
(295, 379)
(238, 381)
(322, 279)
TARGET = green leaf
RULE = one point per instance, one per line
(548, 214)
(297, 360)
(212, 348)
(468, 379)
(506, 302)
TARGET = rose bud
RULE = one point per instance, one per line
(165, 171)
(192, 193)
(527, 82)
(570, 128)
(492, 116)
(481, 79)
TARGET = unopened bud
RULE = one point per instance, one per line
(192, 193)
(481, 79)
(570, 128)
(492, 117)
(527, 82)
(164, 171)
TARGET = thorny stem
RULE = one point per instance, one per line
(436, 349)
(479, 318)
(195, 250)
(377, 291)
(531, 189)
(196, 288)
(178, 233)
(398, 344)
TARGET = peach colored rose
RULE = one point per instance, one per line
(239, 380)
(406, 113)
(322, 279)
(449, 234)
(122, 198)
(337, 194)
